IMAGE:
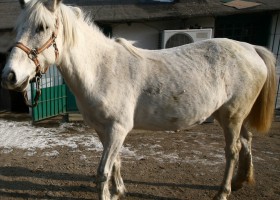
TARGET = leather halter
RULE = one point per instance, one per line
(33, 55)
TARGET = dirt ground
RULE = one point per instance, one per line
(156, 166)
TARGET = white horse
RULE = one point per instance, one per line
(119, 87)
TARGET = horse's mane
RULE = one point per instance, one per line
(128, 46)
(36, 13)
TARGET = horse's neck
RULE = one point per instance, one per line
(81, 63)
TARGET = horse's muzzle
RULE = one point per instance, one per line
(10, 82)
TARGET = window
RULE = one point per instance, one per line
(247, 28)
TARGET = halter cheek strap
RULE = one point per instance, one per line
(33, 55)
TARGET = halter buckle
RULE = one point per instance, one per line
(33, 54)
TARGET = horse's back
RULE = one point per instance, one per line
(185, 85)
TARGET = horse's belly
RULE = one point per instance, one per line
(173, 123)
(171, 118)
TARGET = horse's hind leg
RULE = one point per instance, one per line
(231, 129)
(245, 171)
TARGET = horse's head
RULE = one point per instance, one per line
(37, 47)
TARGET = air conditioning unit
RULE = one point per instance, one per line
(173, 38)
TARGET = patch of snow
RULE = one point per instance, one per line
(256, 158)
(173, 157)
(125, 151)
(83, 157)
(268, 152)
(7, 150)
(51, 153)
(22, 135)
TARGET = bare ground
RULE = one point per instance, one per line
(161, 165)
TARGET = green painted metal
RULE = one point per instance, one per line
(71, 101)
(56, 98)
(53, 99)
(51, 103)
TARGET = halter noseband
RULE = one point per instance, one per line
(33, 55)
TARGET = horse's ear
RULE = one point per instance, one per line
(52, 4)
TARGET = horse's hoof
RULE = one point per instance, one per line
(220, 197)
(119, 193)
(116, 197)
(236, 186)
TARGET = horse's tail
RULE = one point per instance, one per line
(262, 113)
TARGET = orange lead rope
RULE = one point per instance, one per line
(38, 94)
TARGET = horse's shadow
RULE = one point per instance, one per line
(20, 182)
(172, 185)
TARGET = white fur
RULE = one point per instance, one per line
(119, 87)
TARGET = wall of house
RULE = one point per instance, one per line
(147, 34)
(274, 39)
(274, 46)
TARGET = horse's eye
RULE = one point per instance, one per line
(40, 28)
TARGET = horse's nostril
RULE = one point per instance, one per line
(12, 77)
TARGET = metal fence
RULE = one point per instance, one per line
(53, 99)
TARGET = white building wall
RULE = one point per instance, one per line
(274, 46)
(147, 34)
(140, 34)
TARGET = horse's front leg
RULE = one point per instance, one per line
(112, 140)
(117, 180)
(233, 146)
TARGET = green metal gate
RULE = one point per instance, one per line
(53, 100)
(71, 101)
